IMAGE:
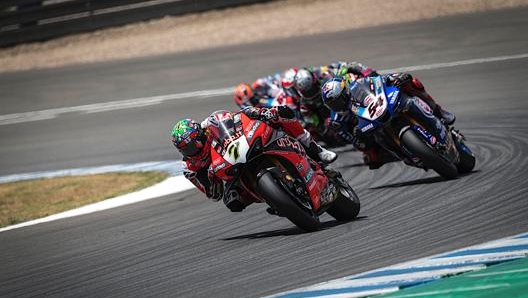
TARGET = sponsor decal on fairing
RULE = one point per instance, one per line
(288, 143)
(430, 138)
(254, 128)
(309, 175)
(219, 167)
(424, 107)
(367, 127)
(393, 96)
(236, 151)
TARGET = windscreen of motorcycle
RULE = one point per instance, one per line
(226, 129)
(369, 98)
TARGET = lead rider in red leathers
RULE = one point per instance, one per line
(191, 139)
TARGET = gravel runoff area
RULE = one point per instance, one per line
(272, 20)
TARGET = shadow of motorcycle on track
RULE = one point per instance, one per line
(291, 231)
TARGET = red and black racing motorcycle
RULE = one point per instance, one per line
(265, 165)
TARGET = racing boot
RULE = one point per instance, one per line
(319, 153)
(323, 154)
(447, 117)
(414, 87)
(315, 151)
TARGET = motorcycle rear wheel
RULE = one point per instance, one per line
(280, 200)
(429, 156)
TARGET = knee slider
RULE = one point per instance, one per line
(236, 206)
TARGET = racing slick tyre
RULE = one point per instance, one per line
(346, 206)
(285, 205)
(430, 158)
(466, 163)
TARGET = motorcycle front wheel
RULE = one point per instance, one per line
(467, 158)
(430, 158)
(272, 190)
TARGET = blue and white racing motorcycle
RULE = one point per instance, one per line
(406, 127)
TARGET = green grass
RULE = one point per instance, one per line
(26, 200)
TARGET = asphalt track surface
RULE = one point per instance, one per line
(183, 246)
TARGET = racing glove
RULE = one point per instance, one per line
(356, 68)
(251, 112)
(399, 79)
(269, 114)
(359, 141)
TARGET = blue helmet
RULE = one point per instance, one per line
(336, 95)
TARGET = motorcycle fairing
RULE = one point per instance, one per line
(291, 150)
(429, 128)
(423, 113)
(378, 101)
(253, 127)
(377, 105)
(236, 151)
(230, 154)
(424, 134)
(373, 102)
(232, 143)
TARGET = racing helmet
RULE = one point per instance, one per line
(339, 68)
(189, 137)
(242, 95)
(336, 95)
(288, 78)
(307, 84)
(261, 87)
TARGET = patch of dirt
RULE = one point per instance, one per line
(273, 20)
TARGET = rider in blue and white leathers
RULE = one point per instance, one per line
(336, 95)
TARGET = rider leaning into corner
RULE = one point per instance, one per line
(307, 83)
(301, 90)
(262, 89)
(336, 95)
(192, 141)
